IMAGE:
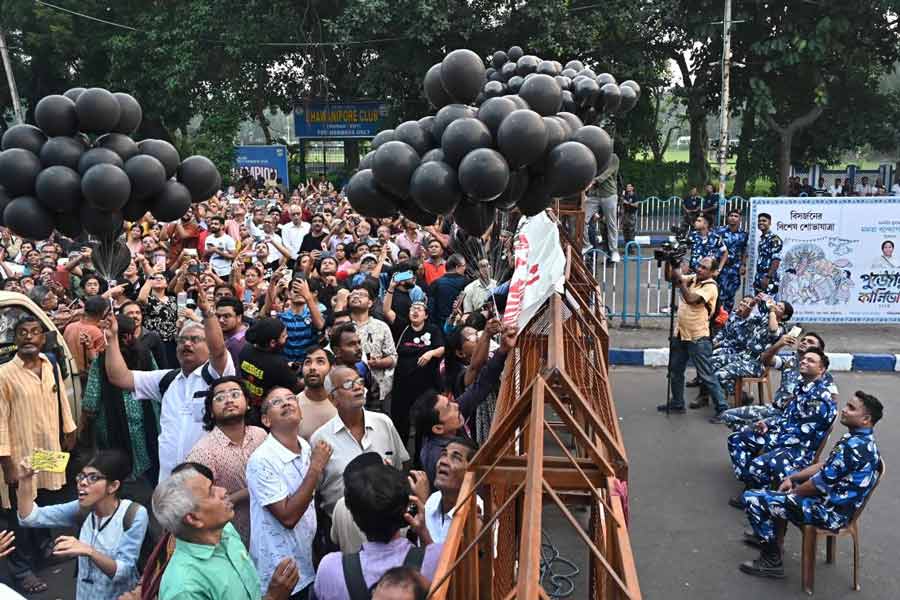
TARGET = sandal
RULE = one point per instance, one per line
(32, 584)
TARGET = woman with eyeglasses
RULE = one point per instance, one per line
(111, 529)
(160, 313)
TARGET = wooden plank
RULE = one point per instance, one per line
(625, 553)
(556, 356)
(569, 479)
(451, 546)
(530, 543)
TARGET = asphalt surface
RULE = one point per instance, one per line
(685, 537)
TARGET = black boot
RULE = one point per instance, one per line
(751, 539)
(695, 382)
(768, 564)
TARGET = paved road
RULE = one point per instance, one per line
(686, 538)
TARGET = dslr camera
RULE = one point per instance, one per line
(674, 251)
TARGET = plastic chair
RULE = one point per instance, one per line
(763, 393)
(811, 534)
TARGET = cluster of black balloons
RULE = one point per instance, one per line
(515, 149)
(78, 169)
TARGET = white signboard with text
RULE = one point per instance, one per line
(837, 262)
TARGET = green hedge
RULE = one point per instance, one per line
(651, 178)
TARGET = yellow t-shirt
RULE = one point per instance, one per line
(693, 319)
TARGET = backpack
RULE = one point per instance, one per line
(169, 377)
(353, 574)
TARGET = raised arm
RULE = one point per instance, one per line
(118, 372)
(388, 303)
(215, 339)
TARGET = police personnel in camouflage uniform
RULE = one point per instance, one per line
(736, 418)
(768, 257)
(825, 494)
(773, 449)
(706, 243)
(735, 240)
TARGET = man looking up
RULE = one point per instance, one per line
(292, 233)
(220, 247)
(230, 314)
(732, 272)
(443, 292)
(282, 476)
(451, 469)
(376, 338)
(314, 402)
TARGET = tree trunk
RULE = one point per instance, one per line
(698, 169)
(786, 138)
(748, 131)
(351, 155)
(264, 125)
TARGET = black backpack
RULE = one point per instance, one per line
(353, 574)
(169, 377)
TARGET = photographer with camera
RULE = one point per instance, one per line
(691, 336)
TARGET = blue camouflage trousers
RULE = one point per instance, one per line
(742, 416)
(737, 366)
(757, 464)
(729, 281)
(765, 506)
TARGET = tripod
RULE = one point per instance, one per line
(672, 308)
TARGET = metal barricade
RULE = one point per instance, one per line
(632, 289)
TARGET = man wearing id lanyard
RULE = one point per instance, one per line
(282, 475)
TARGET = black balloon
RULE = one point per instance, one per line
(18, 170)
(171, 203)
(119, 143)
(568, 102)
(628, 99)
(527, 64)
(98, 111)
(63, 151)
(604, 78)
(564, 83)
(96, 156)
(58, 188)
(68, 224)
(55, 115)
(571, 167)
(164, 152)
(367, 198)
(519, 102)
(475, 218)
(200, 176)
(27, 218)
(574, 122)
(499, 59)
(462, 73)
(611, 98)
(106, 186)
(434, 90)
(27, 137)
(483, 174)
(557, 133)
(102, 223)
(547, 67)
(366, 161)
(633, 85)
(493, 111)
(597, 140)
(435, 154)
(427, 125)
(447, 115)
(134, 209)
(589, 73)
(575, 65)
(414, 212)
(542, 94)
(536, 197)
(586, 91)
(508, 71)
(522, 138)
(130, 113)
(515, 83)
(73, 93)
(382, 137)
(147, 175)
(570, 73)
(435, 187)
(412, 133)
(515, 189)
(515, 53)
(492, 89)
(393, 166)
(461, 137)
(4, 200)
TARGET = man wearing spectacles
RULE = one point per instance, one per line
(282, 476)
(292, 233)
(202, 357)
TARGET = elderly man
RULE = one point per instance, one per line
(451, 469)
(210, 562)
(282, 476)
(353, 431)
(202, 357)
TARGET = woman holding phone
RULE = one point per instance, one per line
(111, 529)
(160, 313)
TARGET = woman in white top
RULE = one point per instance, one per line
(111, 529)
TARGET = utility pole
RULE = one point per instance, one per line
(723, 111)
(13, 92)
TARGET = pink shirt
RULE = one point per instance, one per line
(413, 246)
(228, 462)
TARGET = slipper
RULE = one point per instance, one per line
(32, 584)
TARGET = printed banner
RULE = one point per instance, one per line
(340, 120)
(262, 160)
(837, 261)
(540, 270)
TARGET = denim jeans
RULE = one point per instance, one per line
(700, 352)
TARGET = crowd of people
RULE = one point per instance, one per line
(775, 449)
(280, 399)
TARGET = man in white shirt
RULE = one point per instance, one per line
(479, 291)
(451, 469)
(384, 237)
(864, 188)
(837, 189)
(353, 431)
(220, 247)
(292, 233)
(273, 241)
(282, 475)
(203, 358)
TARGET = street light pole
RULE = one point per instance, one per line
(723, 111)
(13, 92)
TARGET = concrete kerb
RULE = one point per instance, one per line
(840, 361)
